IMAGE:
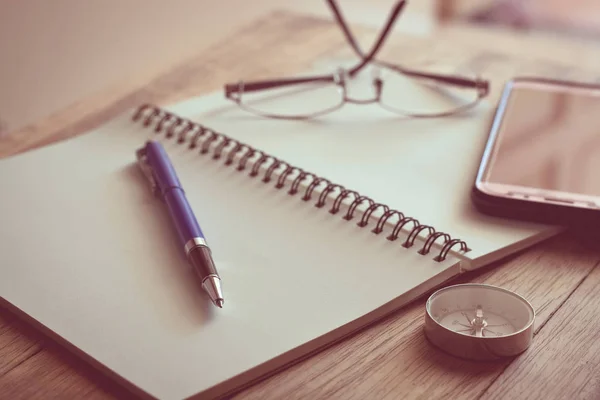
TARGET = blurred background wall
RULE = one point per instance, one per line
(55, 52)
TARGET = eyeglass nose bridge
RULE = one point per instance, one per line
(377, 85)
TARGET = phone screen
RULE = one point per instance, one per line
(546, 138)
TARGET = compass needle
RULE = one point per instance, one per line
(467, 317)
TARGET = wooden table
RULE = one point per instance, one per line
(391, 359)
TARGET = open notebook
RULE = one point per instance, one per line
(90, 254)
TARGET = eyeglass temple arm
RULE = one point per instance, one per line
(480, 84)
(383, 35)
(236, 88)
(342, 23)
(449, 79)
(232, 88)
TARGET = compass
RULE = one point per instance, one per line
(479, 322)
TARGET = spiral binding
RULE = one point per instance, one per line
(199, 136)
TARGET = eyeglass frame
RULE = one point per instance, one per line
(234, 91)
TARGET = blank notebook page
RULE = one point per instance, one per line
(86, 250)
(424, 167)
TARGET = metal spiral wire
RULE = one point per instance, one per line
(196, 136)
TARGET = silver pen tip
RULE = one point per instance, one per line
(212, 285)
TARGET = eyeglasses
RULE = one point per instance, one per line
(432, 91)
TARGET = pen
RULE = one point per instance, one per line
(156, 166)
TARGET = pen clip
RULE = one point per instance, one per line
(142, 161)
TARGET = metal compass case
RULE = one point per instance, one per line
(479, 322)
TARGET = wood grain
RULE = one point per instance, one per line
(393, 359)
(15, 348)
(390, 359)
(564, 362)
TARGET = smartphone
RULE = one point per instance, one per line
(541, 161)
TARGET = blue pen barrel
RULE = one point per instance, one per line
(170, 190)
(167, 186)
(187, 226)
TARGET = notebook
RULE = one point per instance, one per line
(309, 250)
